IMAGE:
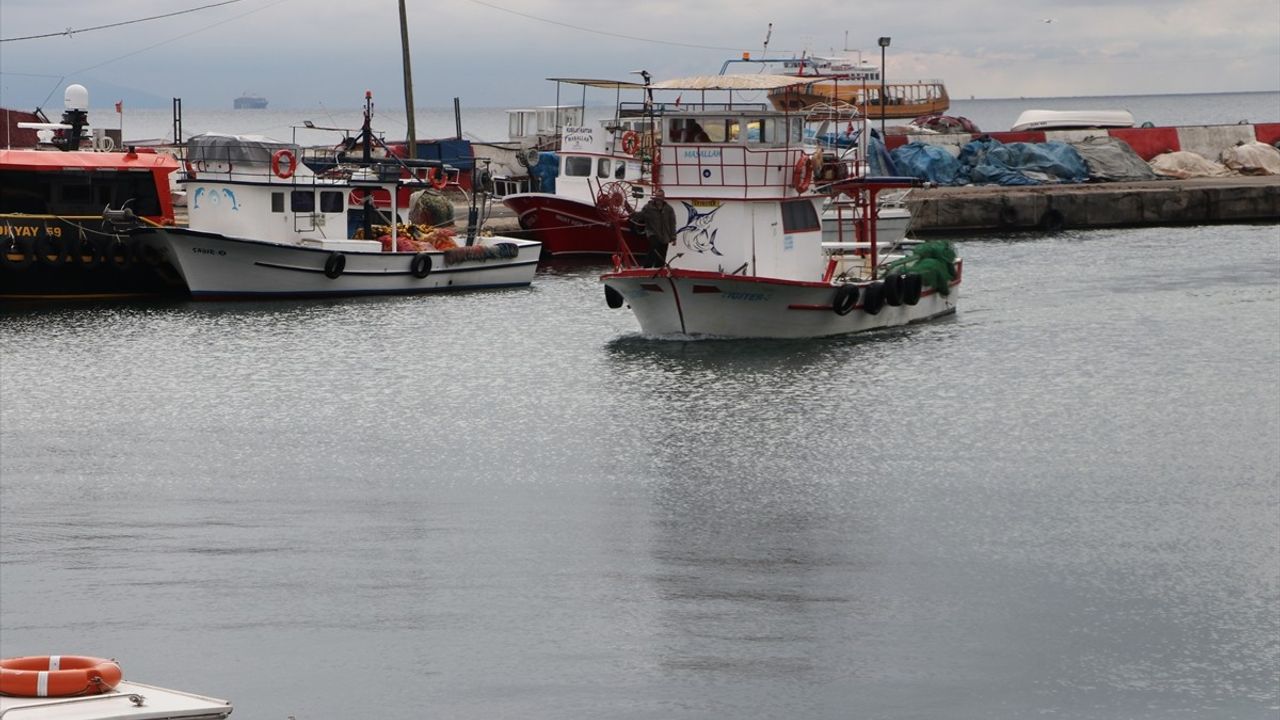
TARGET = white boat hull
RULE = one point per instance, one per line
(716, 305)
(217, 266)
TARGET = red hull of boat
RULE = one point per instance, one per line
(568, 227)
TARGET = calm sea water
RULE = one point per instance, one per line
(491, 123)
(1064, 501)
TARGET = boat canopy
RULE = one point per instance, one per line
(239, 149)
(732, 82)
(605, 84)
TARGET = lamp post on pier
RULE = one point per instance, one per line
(884, 43)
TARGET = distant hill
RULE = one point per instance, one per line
(28, 93)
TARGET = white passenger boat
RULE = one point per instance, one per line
(262, 224)
(752, 261)
(62, 687)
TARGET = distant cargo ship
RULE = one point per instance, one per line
(250, 102)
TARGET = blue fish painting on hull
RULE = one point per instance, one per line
(699, 223)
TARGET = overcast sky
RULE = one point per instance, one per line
(497, 53)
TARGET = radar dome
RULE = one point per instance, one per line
(76, 98)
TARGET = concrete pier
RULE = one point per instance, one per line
(949, 210)
(943, 210)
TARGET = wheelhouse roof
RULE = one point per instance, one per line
(56, 160)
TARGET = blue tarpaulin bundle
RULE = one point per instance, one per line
(986, 161)
(930, 163)
(1023, 163)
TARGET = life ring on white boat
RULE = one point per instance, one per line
(893, 290)
(284, 163)
(612, 297)
(630, 142)
(334, 265)
(437, 177)
(845, 300)
(20, 246)
(912, 288)
(873, 298)
(802, 174)
(58, 676)
(420, 265)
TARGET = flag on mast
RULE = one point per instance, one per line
(119, 107)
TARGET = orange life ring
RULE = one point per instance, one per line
(630, 142)
(286, 155)
(802, 175)
(191, 170)
(57, 676)
(437, 177)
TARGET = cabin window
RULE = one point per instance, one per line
(302, 201)
(577, 166)
(602, 168)
(620, 170)
(799, 216)
(332, 201)
(77, 192)
(277, 202)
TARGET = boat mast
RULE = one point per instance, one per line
(408, 83)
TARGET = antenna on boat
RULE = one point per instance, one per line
(764, 52)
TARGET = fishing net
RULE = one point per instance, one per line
(933, 261)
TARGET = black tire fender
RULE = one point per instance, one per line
(334, 265)
(893, 290)
(873, 298)
(118, 253)
(22, 247)
(419, 266)
(912, 288)
(845, 300)
(50, 250)
(613, 298)
(1052, 220)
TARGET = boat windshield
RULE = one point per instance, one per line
(775, 130)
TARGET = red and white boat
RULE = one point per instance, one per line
(752, 262)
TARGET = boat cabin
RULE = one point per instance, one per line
(244, 186)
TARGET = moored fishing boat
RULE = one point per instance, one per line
(63, 205)
(69, 687)
(262, 224)
(565, 218)
(752, 260)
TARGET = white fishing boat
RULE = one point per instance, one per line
(752, 262)
(262, 224)
(61, 687)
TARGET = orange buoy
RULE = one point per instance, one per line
(57, 676)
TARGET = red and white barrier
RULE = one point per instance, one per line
(1205, 140)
